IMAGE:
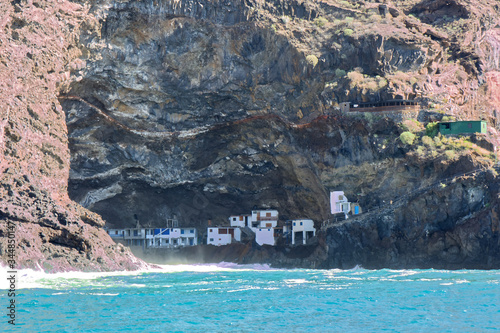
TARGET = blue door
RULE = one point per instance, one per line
(356, 210)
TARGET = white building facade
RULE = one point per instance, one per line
(223, 235)
(339, 203)
(265, 236)
(302, 231)
(171, 237)
(155, 237)
(261, 219)
(240, 221)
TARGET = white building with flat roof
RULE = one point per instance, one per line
(223, 235)
(339, 203)
(172, 237)
(266, 236)
(155, 237)
(240, 221)
(302, 231)
(264, 219)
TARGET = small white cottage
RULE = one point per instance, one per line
(264, 219)
(265, 236)
(302, 231)
(240, 221)
(223, 235)
(339, 203)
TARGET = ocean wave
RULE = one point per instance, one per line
(31, 279)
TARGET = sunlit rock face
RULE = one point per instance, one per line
(40, 227)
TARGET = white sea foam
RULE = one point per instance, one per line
(296, 281)
(29, 278)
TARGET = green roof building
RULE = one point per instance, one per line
(462, 127)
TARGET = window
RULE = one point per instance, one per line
(341, 197)
(294, 224)
(191, 231)
(182, 231)
(300, 223)
(135, 233)
(268, 214)
(116, 232)
(234, 219)
(211, 239)
(241, 218)
(268, 229)
(210, 230)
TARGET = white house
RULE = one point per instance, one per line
(223, 235)
(339, 203)
(172, 237)
(302, 230)
(266, 236)
(240, 221)
(264, 219)
(158, 237)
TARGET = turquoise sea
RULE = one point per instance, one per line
(231, 298)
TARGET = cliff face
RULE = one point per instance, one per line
(38, 49)
(205, 109)
(168, 113)
(450, 226)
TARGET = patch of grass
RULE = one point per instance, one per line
(320, 21)
(312, 60)
(348, 32)
(432, 129)
(407, 138)
(427, 141)
(412, 125)
(450, 154)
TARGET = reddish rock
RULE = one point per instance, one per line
(38, 46)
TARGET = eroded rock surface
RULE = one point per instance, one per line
(38, 50)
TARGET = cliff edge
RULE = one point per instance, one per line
(38, 50)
